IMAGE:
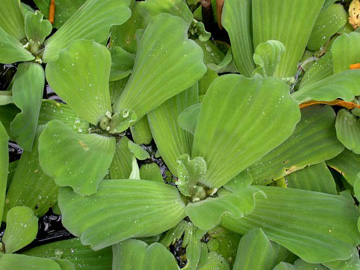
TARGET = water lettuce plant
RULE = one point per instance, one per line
(169, 149)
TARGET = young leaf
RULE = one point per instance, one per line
(4, 166)
(213, 261)
(83, 81)
(151, 172)
(164, 66)
(141, 132)
(12, 19)
(135, 254)
(92, 21)
(21, 228)
(122, 63)
(77, 160)
(348, 130)
(313, 141)
(307, 223)
(36, 28)
(19, 261)
(27, 95)
(353, 263)
(245, 109)
(188, 118)
(140, 208)
(12, 50)
(120, 167)
(344, 58)
(284, 266)
(138, 151)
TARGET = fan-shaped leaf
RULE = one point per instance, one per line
(140, 208)
(12, 19)
(92, 21)
(240, 119)
(344, 58)
(348, 130)
(77, 160)
(21, 228)
(313, 141)
(309, 224)
(19, 261)
(164, 66)
(36, 28)
(4, 166)
(83, 81)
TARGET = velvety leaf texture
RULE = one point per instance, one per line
(19, 261)
(348, 130)
(12, 19)
(344, 58)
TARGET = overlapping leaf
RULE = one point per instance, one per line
(12, 19)
(344, 58)
(141, 132)
(19, 261)
(4, 166)
(77, 160)
(121, 209)
(309, 224)
(348, 130)
(36, 28)
(121, 165)
(239, 123)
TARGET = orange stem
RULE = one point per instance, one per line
(336, 102)
(355, 66)
(52, 11)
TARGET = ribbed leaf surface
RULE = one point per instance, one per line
(19, 261)
(121, 164)
(309, 224)
(344, 58)
(12, 19)
(239, 123)
(121, 209)
(348, 130)
(313, 141)
(36, 28)
(4, 166)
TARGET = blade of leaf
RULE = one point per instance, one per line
(351, 264)
(19, 261)
(279, 20)
(77, 160)
(299, 219)
(164, 66)
(122, 63)
(120, 167)
(313, 141)
(27, 92)
(214, 261)
(348, 130)
(7, 115)
(4, 166)
(151, 172)
(140, 208)
(141, 132)
(188, 118)
(300, 264)
(12, 19)
(92, 21)
(244, 108)
(36, 28)
(21, 228)
(342, 59)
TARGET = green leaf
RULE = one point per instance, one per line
(284, 266)
(4, 166)
(171, 140)
(302, 265)
(36, 28)
(348, 164)
(330, 20)
(21, 228)
(353, 263)
(122, 63)
(19, 261)
(138, 151)
(83, 257)
(7, 115)
(255, 251)
(76, 160)
(342, 59)
(214, 261)
(344, 85)
(120, 121)
(348, 130)
(267, 57)
(30, 186)
(236, 110)
(207, 214)
(5, 98)
(141, 132)
(309, 224)
(313, 141)
(164, 66)
(12, 50)
(236, 18)
(315, 178)
(12, 19)
(92, 21)
(135, 254)
(83, 81)
(120, 167)
(27, 92)
(151, 172)
(188, 118)
(242, 180)
(140, 208)
(277, 20)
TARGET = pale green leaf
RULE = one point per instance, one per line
(344, 85)
(164, 66)
(313, 141)
(83, 257)
(19, 261)
(348, 164)
(302, 265)
(267, 57)
(83, 81)
(236, 18)
(138, 151)
(214, 261)
(188, 118)
(353, 263)
(6, 98)
(36, 28)
(207, 213)
(348, 130)
(21, 228)
(171, 140)
(120, 121)
(284, 266)
(236, 110)
(65, 264)
(7, 115)
(12, 19)
(151, 171)
(342, 59)
(328, 3)
(77, 160)
(12, 50)
(120, 167)
(242, 180)
(27, 93)
(330, 20)
(315, 178)
(122, 63)
(141, 132)
(255, 251)
(135, 254)
(140, 208)
(309, 224)
(279, 20)
(92, 21)
(4, 166)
